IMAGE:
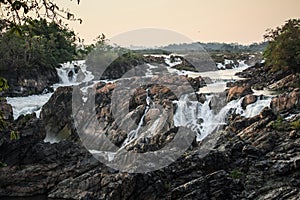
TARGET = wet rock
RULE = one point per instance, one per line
(56, 114)
(18, 140)
(286, 102)
(238, 91)
(201, 97)
(249, 99)
(218, 101)
(185, 65)
(197, 82)
(6, 111)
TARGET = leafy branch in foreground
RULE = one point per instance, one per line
(20, 11)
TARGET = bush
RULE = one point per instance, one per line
(236, 174)
(2, 164)
(295, 125)
(3, 84)
(279, 124)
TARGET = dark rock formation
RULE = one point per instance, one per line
(28, 81)
(287, 83)
(18, 139)
(238, 166)
(134, 64)
(259, 76)
(56, 114)
(185, 65)
(6, 111)
(253, 158)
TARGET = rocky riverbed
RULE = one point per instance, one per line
(249, 157)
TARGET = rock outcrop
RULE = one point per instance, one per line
(6, 111)
(18, 138)
(56, 114)
(24, 81)
(286, 102)
(238, 166)
(238, 91)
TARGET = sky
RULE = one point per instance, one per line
(230, 21)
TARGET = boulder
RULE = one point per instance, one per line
(248, 99)
(238, 91)
(6, 112)
(56, 114)
(286, 102)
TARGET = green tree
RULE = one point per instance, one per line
(39, 43)
(283, 50)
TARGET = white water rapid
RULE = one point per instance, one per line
(203, 119)
(71, 73)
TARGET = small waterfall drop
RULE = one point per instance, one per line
(134, 134)
(203, 120)
(67, 73)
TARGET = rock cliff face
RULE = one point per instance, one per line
(56, 114)
(24, 82)
(287, 102)
(18, 137)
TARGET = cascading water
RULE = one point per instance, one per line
(203, 120)
(67, 75)
(134, 134)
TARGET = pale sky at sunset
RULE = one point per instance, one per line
(243, 21)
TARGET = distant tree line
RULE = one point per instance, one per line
(218, 47)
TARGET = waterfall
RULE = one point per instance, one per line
(132, 135)
(67, 73)
(203, 120)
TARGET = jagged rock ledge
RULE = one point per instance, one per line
(28, 81)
